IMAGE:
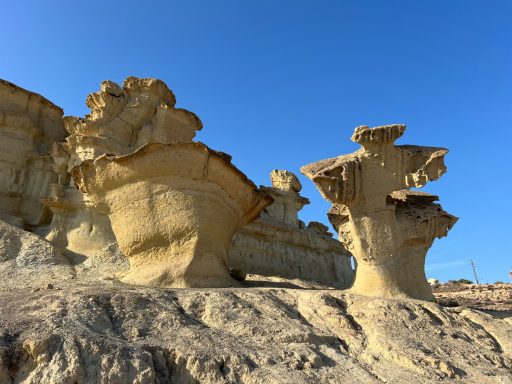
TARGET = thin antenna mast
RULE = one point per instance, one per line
(474, 270)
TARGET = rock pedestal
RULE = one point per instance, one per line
(174, 209)
(122, 119)
(386, 228)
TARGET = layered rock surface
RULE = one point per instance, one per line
(109, 332)
(188, 209)
(122, 119)
(387, 228)
(29, 125)
(495, 298)
(64, 324)
(279, 244)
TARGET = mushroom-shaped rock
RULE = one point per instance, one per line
(387, 228)
(174, 209)
(122, 119)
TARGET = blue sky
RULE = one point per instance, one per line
(283, 83)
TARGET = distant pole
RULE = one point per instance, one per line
(474, 270)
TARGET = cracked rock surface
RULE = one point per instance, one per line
(64, 324)
(114, 333)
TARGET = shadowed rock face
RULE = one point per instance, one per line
(29, 125)
(387, 228)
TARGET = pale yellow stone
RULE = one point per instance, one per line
(279, 244)
(76, 224)
(174, 209)
(122, 119)
(387, 231)
(29, 125)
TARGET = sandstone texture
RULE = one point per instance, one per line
(109, 332)
(279, 244)
(171, 204)
(28, 259)
(122, 120)
(76, 224)
(63, 323)
(134, 280)
(187, 209)
(386, 227)
(29, 125)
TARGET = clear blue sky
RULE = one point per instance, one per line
(280, 84)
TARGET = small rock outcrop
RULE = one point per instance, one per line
(28, 260)
(29, 125)
(387, 228)
(279, 244)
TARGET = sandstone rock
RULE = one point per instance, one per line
(28, 260)
(102, 333)
(287, 201)
(29, 125)
(106, 263)
(278, 243)
(187, 209)
(493, 298)
(388, 230)
(122, 119)
(76, 224)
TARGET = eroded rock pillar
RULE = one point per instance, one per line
(387, 228)
(174, 221)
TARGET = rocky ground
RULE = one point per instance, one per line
(66, 324)
(492, 298)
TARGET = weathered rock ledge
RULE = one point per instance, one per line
(64, 323)
(115, 333)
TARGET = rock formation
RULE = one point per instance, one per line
(388, 229)
(27, 260)
(122, 119)
(279, 244)
(134, 157)
(174, 205)
(107, 332)
(187, 210)
(76, 224)
(287, 201)
(29, 125)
